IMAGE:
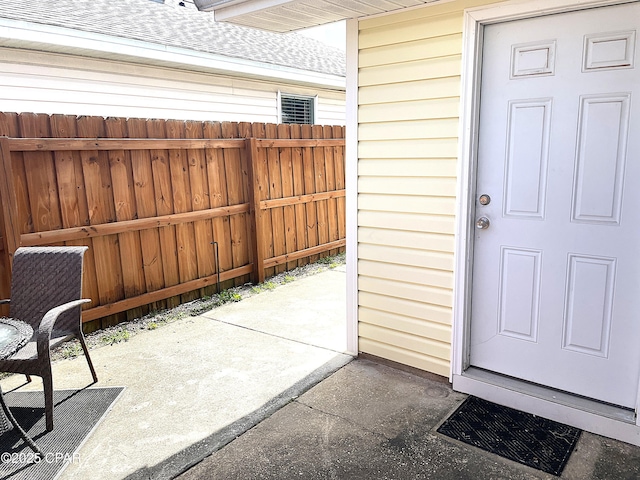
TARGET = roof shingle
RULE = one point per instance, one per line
(176, 26)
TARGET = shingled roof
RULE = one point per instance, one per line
(178, 26)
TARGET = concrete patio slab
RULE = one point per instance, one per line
(371, 421)
(287, 312)
(200, 379)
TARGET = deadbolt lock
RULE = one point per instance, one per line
(484, 199)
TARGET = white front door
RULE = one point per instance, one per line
(556, 273)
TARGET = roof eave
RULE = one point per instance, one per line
(234, 7)
(18, 34)
(290, 15)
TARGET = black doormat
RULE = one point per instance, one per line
(524, 438)
(76, 414)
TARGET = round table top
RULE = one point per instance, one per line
(13, 335)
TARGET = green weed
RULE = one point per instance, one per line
(264, 286)
(208, 303)
(226, 296)
(117, 336)
(71, 350)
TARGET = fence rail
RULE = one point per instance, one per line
(150, 198)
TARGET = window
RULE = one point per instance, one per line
(297, 109)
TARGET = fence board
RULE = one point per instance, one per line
(9, 127)
(5, 275)
(305, 142)
(56, 144)
(181, 190)
(97, 181)
(143, 189)
(265, 223)
(300, 199)
(298, 190)
(173, 291)
(149, 206)
(338, 157)
(114, 228)
(320, 186)
(9, 228)
(237, 194)
(203, 229)
(275, 191)
(332, 203)
(73, 198)
(40, 175)
(304, 253)
(308, 169)
(233, 175)
(218, 196)
(125, 209)
(164, 206)
(244, 130)
(286, 168)
(255, 212)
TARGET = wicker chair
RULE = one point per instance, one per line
(46, 288)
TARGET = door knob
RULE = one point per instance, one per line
(482, 223)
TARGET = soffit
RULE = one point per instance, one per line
(289, 15)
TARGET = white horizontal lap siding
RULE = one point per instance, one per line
(60, 84)
(408, 109)
(331, 111)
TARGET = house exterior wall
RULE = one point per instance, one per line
(408, 111)
(62, 84)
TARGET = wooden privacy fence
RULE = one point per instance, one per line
(150, 197)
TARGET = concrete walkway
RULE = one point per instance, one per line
(199, 382)
(261, 389)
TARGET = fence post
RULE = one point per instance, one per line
(11, 227)
(256, 234)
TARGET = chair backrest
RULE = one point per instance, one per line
(43, 278)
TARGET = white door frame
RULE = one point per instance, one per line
(585, 414)
(351, 185)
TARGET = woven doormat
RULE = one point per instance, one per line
(524, 438)
(76, 414)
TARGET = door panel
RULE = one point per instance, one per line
(602, 140)
(527, 155)
(589, 310)
(556, 276)
(519, 293)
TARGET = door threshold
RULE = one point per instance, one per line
(603, 409)
(590, 415)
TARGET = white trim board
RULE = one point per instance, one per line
(351, 185)
(497, 390)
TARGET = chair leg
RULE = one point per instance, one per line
(28, 378)
(47, 381)
(86, 355)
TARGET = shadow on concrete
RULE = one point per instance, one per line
(192, 455)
